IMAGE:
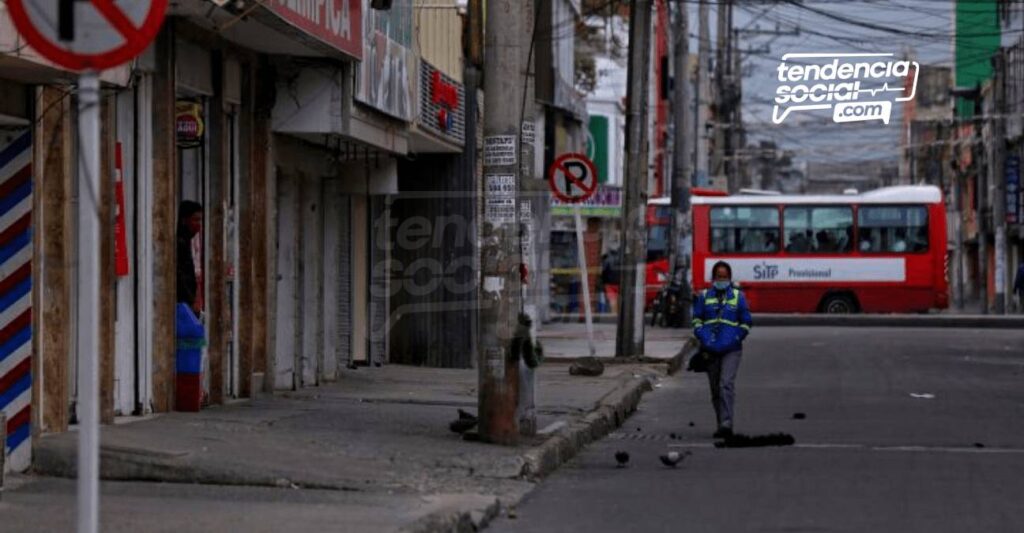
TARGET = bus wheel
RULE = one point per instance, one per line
(838, 304)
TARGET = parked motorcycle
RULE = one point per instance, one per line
(670, 304)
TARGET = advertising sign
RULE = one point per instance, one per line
(384, 79)
(336, 23)
(1012, 171)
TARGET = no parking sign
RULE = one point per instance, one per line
(573, 178)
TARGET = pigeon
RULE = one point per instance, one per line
(622, 458)
(462, 425)
(464, 415)
(672, 436)
(673, 458)
(799, 416)
(978, 445)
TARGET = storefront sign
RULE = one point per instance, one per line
(442, 104)
(188, 124)
(384, 79)
(606, 203)
(336, 23)
(1012, 171)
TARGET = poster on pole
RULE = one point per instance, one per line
(499, 150)
(500, 198)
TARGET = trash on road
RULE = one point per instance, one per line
(923, 395)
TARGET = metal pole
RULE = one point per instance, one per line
(88, 302)
(500, 253)
(999, 182)
(581, 252)
(679, 257)
(629, 338)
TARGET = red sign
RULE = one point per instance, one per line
(572, 178)
(447, 96)
(336, 23)
(88, 34)
(442, 92)
(120, 230)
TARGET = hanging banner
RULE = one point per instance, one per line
(120, 230)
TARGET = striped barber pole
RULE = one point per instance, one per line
(16, 298)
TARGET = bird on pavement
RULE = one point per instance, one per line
(622, 458)
(673, 458)
(464, 423)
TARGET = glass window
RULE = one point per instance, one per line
(821, 230)
(897, 229)
(744, 229)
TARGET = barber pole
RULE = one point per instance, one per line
(16, 299)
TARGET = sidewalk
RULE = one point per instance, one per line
(379, 433)
(567, 340)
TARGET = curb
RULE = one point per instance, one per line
(612, 410)
(456, 520)
(892, 321)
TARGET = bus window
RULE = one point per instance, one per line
(744, 229)
(896, 229)
(819, 229)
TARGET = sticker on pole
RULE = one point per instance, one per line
(88, 34)
(573, 178)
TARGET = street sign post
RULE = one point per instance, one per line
(88, 36)
(573, 179)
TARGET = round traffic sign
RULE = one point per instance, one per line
(88, 34)
(573, 178)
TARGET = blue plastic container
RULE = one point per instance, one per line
(189, 361)
(187, 325)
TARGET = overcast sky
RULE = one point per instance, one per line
(921, 28)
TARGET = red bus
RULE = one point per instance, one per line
(883, 251)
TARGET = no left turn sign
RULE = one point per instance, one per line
(88, 34)
(573, 178)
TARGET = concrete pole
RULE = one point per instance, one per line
(998, 181)
(629, 339)
(982, 194)
(700, 164)
(88, 406)
(506, 38)
(678, 256)
(958, 252)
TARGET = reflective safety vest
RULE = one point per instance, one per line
(721, 320)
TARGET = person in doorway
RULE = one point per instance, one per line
(1018, 286)
(721, 321)
(190, 223)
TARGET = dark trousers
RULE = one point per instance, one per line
(722, 379)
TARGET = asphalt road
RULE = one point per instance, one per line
(870, 456)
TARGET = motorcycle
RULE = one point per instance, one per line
(670, 304)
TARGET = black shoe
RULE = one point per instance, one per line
(723, 433)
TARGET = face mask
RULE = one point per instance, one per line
(722, 285)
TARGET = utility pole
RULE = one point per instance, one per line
(700, 130)
(629, 339)
(982, 193)
(678, 255)
(735, 109)
(722, 67)
(505, 69)
(998, 179)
